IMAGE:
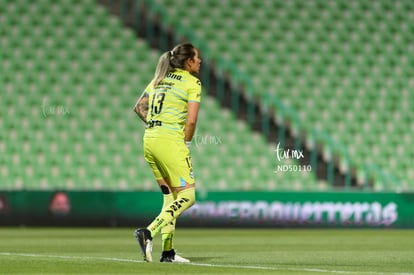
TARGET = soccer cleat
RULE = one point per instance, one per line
(145, 242)
(171, 257)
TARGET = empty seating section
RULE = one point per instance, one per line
(69, 77)
(345, 66)
(228, 156)
(71, 72)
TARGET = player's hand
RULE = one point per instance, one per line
(188, 144)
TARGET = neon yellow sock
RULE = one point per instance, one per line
(185, 199)
(167, 232)
(167, 241)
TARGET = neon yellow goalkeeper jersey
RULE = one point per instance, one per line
(167, 105)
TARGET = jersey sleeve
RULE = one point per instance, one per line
(194, 92)
(148, 88)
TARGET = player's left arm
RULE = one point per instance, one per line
(141, 106)
(191, 123)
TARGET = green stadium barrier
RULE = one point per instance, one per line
(218, 209)
(304, 209)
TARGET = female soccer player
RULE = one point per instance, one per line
(169, 106)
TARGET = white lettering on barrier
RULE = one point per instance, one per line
(344, 213)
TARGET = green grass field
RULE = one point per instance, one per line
(212, 251)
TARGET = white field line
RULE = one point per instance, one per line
(327, 271)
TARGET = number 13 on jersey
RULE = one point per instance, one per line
(157, 102)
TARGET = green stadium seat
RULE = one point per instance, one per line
(338, 65)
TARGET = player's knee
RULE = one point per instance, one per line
(191, 196)
(187, 197)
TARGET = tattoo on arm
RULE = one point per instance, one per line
(141, 107)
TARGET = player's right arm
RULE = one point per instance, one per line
(141, 106)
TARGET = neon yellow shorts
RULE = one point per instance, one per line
(169, 160)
